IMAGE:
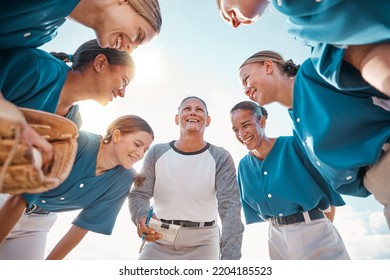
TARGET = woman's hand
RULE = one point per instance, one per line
(151, 235)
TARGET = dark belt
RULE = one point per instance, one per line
(314, 214)
(34, 209)
(188, 223)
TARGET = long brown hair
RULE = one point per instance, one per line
(288, 67)
(149, 10)
(129, 124)
(87, 53)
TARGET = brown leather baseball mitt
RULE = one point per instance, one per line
(20, 166)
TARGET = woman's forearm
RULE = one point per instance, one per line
(71, 239)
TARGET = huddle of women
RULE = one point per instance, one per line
(294, 183)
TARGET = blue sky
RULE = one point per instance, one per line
(198, 54)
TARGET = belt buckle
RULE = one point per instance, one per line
(274, 221)
(31, 209)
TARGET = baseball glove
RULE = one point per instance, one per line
(20, 166)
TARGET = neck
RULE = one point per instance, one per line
(263, 150)
(104, 160)
(87, 12)
(286, 93)
(73, 90)
(190, 144)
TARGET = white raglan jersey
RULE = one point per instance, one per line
(196, 186)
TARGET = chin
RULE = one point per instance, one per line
(104, 102)
(250, 146)
(103, 43)
(128, 166)
(260, 101)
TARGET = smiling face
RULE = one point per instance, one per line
(248, 130)
(129, 148)
(237, 12)
(119, 78)
(123, 29)
(258, 83)
(110, 80)
(192, 116)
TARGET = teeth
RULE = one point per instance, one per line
(247, 140)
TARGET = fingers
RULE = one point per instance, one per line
(35, 140)
(151, 235)
(10, 112)
(142, 228)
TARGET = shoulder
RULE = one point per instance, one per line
(26, 54)
(247, 160)
(284, 145)
(218, 150)
(161, 145)
(33, 62)
(155, 152)
(23, 60)
(87, 138)
(307, 72)
(160, 148)
(75, 116)
(125, 176)
(307, 65)
(284, 140)
(220, 155)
